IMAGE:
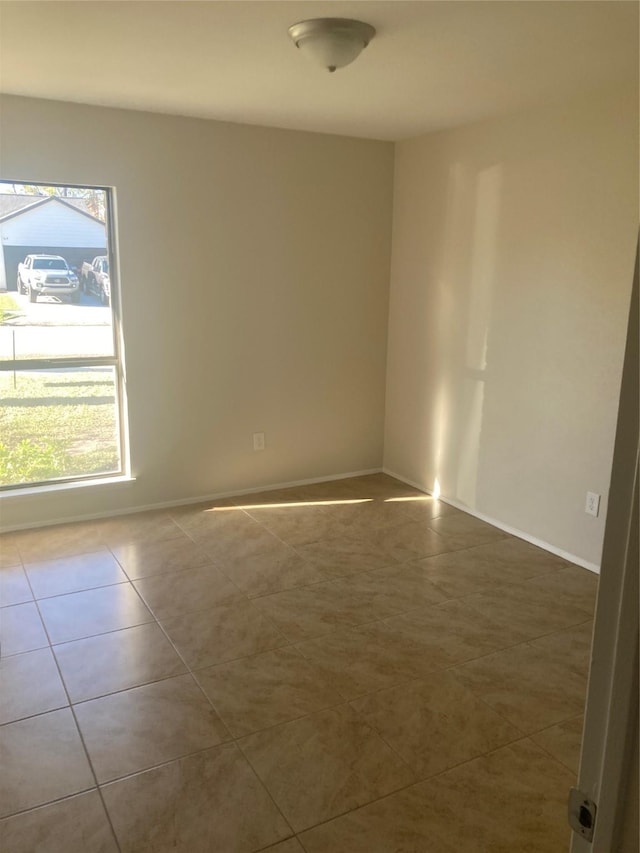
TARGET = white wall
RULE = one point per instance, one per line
(254, 269)
(512, 264)
(52, 224)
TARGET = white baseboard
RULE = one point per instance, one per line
(186, 501)
(521, 534)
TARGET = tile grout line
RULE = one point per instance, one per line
(522, 735)
(395, 562)
(265, 789)
(414, 783)
(417, 781)
(218, 564)
(191, 755)
(526, 642)
(98, 785)
(291, 546)
(256, 599)
(417, 777)
(269, 847)
(292, 644)
(428, 779)
(54, 802)
(550, 754)
(77, 725)
(235, 740)
(345, 700)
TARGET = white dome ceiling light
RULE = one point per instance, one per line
(332, 42)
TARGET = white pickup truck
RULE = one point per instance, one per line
(47, 275)
(94, 278)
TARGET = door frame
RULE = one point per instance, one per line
(611, 717)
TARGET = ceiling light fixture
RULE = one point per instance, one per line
(332, 42)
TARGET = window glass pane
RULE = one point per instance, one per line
(58, 423)
(79, 337)
(54, 267)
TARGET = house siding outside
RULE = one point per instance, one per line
(51, 228)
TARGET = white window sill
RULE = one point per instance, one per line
(30, 491)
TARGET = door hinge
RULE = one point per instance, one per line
(582, 814)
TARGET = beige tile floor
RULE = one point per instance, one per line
(344, 667)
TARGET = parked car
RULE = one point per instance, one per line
(48, 275)
(94, 278)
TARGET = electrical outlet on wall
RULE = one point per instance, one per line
(592, 504)
(258, 441)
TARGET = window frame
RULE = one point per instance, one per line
(116, 360)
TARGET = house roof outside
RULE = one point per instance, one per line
(12, 205)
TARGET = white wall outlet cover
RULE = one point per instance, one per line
(258, 441)
(592, 504)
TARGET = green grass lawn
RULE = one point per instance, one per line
(8, 303)
(8, 307)
(58, 423)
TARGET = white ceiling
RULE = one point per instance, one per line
(432, 64)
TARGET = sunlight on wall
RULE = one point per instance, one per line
(441, 433)
(482, 272)
(448, 272)
(513, 250)
(465, 273)
(483, 264)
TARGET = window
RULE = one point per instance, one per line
(61, 388)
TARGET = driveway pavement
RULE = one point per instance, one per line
(50, 328)
(49, 310)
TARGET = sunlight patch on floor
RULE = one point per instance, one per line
(289, 504)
